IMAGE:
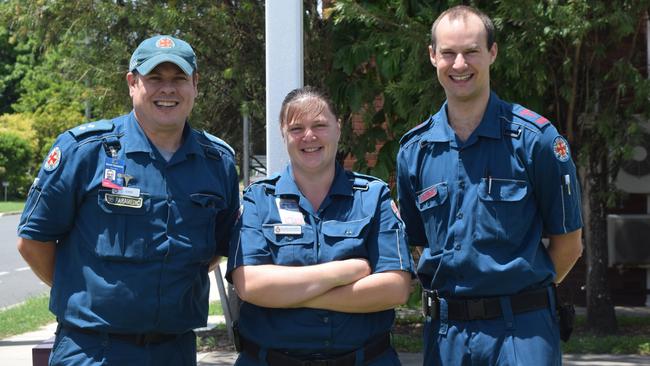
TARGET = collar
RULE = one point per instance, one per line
(441, 130)
(341, 185)
(135, 140)
(490, 126)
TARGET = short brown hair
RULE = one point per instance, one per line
(461, 11)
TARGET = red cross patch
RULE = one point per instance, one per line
(165, 42)
(561, 149)
(395, 209)
(53, 159)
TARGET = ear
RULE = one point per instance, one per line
(195, 81)
(131, 80)
(432, 56)
(493, 52)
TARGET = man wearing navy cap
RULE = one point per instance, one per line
(127, 216)
(478, 184)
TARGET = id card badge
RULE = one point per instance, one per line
(113, 173)
(289, 211)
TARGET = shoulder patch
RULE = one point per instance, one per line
(219, 142)
(414, 131)
(89, 128)
(53, 159)
(530, 116)
(561, 149)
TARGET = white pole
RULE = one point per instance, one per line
(284, 71)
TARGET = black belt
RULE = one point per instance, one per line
(483, 308)
(371, 350)
(141, 339)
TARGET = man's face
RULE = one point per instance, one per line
(461, 58)
(312, 141)
(162, 99)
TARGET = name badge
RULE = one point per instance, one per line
(289, 211)
(287, 229)
(127, 191)
(124, 201)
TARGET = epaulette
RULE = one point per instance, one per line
(91, 128)
(219, 142)
(361, 182)
(414, 131)
(268, 183)
(530, 116)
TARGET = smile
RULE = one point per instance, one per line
(311, 149)
(165, 103)
(460, 77)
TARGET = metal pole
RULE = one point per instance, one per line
(225, 304)
(284, 71)
(246, 158)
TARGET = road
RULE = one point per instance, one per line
(17, 282)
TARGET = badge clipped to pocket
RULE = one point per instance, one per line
(113, 173)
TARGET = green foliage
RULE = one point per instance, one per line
(18, 123)
(562, 59)
(83, 58)
(15, 156)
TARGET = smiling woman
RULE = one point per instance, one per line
(318, 245)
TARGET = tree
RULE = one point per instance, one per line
(577, 62)
(83, 59)
(15, 155)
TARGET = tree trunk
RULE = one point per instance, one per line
(601, 317)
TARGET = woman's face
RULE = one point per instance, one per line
(312, 137)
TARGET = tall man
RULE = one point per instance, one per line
(127, 215)
(479, 182)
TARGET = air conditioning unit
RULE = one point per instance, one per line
(634, 175)
(628, 240)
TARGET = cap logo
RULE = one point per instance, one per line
(165, 42)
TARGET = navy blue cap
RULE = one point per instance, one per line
(156, 50)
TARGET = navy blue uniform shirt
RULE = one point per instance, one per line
(357, 219)
(132, 263)
(479, 207)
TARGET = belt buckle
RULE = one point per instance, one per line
(429, 303)
(476, 309)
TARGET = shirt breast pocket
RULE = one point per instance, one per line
(290, 249)
(434, 211)
(502, 210)
(123, 227)
(199, 217)
(344, 239)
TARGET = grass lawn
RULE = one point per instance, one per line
(11, 206)
(26, 317)
(633, 337)
(33, 314)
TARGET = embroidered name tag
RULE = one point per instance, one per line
(125, 201)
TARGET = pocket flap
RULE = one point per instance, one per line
(208, 200)
(345, 229)
(504, 190)
(306, 235)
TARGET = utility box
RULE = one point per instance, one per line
(628, 240)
